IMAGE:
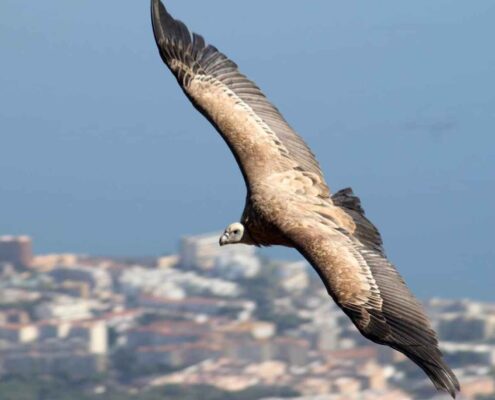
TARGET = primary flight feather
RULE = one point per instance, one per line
(288, 202)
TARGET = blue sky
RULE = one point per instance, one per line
(101, 153)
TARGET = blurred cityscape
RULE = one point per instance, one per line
(207, 323)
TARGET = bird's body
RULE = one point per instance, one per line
(262, 222)
(288, 202)
(259, 230)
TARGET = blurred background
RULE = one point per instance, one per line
(110, 182)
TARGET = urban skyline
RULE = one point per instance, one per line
(417, 285)
(241, 324)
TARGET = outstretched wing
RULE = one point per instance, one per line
(350, 260)
(261, 140)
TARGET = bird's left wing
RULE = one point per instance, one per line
(350, 260)
(261, 140)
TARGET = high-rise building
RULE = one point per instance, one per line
(16, 250)
(203, 251)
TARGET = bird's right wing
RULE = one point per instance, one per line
(261, 140)
(357, 275)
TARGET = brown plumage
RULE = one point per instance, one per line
(288, 202)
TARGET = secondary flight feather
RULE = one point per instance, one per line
(288, 202)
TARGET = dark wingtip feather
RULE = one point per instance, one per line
(444, 379)
(176, 42)
(165, 27)
(156, 11)
(439, 373)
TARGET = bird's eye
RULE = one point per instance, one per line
(236, 232)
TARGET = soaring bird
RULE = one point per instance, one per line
(288, 202)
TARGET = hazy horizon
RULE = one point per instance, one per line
(103, 154)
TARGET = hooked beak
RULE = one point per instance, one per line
(224, 239)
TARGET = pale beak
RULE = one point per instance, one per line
(224, 239)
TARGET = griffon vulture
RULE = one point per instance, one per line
(288, 202)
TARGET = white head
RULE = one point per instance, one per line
(233, 234)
